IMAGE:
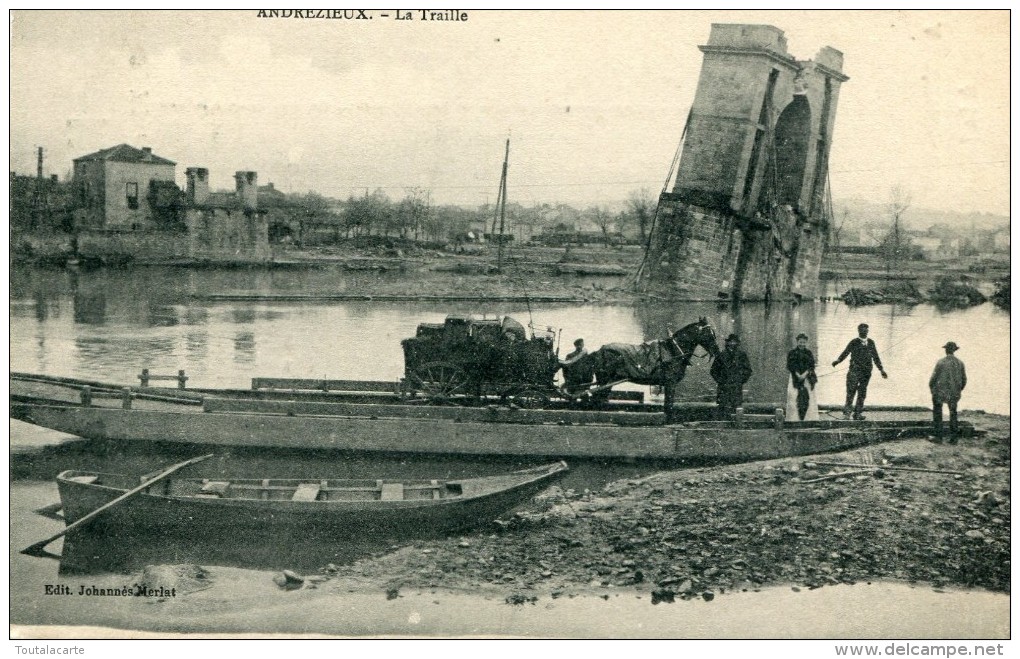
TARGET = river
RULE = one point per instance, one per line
(110, 324)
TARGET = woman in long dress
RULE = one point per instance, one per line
(801, 397)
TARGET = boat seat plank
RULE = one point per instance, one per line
(287, 488)
(87, 480)
(306, 492)
(392, 492)
(219, 488)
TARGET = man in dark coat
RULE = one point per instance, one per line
(863, 353)
(946, 384)
(578, 372)
(731, 370)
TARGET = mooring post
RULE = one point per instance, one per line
(144, 377)
(181, 379)
(780, 418)
(126, 397)
(86, 396)
(738, 417)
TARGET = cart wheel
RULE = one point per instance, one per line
(440, 381)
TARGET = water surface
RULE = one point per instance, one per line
(110, 324)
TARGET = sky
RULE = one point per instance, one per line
(593, 102)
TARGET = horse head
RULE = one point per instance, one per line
(701, 333)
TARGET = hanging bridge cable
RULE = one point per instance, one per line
(891, 348)
(665, 186)
(517, 278)
(839, 253)
(771, 182)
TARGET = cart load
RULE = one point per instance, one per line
(467, 356)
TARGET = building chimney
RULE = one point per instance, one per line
(247, 190)
(147, 150)
(198, 185)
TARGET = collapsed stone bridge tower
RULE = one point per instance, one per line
(748, 218)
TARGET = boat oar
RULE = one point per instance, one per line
(39, 548)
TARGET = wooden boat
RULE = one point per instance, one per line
(317, 506)
(369, 420)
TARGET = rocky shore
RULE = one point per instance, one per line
(934, 514)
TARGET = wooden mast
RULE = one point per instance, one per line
(502, 208)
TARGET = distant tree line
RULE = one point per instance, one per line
(311, 218)
(314, 219)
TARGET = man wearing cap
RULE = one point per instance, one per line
(946, 383)
(863, 353)
(731, 370)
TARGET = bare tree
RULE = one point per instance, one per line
(368, 212)
(603, 219)
(641, 205)
(899, 202)
(412, 212)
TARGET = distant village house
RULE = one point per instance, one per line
(128, 204)
(114, 187)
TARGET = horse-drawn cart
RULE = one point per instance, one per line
(466, 358)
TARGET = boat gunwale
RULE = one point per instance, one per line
(528, 477)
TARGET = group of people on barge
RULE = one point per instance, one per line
(732, 369)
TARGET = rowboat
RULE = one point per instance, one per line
(364, 417)
(323, 507)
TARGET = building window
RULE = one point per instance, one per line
(132, 196)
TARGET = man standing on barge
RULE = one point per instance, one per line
(731, 370)
(862, 352)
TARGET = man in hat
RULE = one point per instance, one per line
(731, 370)
(863, 353)
(946, 383)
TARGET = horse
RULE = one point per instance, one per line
(663, 362)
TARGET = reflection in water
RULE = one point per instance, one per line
(41, 308)
(194, 315)
(244, 348)
(119, 356)
(89, 552)
(161, 315)
(89, 308)
(242, 316)
(196, 345)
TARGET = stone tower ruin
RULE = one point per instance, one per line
(748, 218)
